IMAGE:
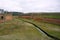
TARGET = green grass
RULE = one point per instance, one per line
(52, 29)
(48, 15)
(19, 30)
(51, 16)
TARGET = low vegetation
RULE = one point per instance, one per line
(51, 29)
(19, 30)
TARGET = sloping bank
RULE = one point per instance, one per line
(53, 37)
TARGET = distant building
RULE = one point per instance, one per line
(5, 17)
(1, 11)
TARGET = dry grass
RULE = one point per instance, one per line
(19, 30)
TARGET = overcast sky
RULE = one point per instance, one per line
(31, 5)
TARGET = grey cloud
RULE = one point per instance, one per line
(31, 5)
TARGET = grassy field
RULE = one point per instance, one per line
(51, 16)
(51, 29)
(48, 15)
(19, 30)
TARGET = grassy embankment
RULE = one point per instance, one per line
(51, 29)
(19, 30)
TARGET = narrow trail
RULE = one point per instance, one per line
(55, 38)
